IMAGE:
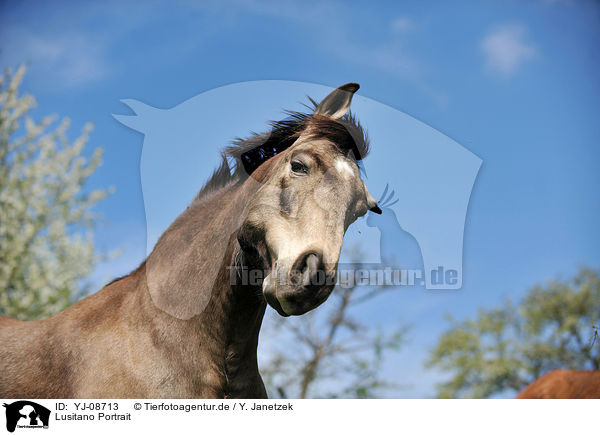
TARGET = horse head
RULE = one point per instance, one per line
(311, 192)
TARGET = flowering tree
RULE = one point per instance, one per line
(44, 210)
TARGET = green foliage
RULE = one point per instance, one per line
(505, 349)
(43, 256)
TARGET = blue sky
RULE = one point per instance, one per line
(513, 82)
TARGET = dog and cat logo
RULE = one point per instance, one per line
(25, 414)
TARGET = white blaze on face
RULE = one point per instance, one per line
(344, 168)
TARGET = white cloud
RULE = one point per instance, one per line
(67, 48)
(402, 25)
(332, 27)
(81, 55)
(61, 61)
(506, 49)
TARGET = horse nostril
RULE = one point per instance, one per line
(308, 270)
(312, 262)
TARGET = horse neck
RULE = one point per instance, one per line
(227, 329)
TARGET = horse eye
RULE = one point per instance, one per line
(299, 167)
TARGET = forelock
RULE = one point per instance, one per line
(244, 156)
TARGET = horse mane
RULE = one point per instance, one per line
(248, 154)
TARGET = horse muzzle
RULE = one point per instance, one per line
(296, 289)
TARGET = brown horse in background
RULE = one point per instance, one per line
(564, 384)
(186, 322)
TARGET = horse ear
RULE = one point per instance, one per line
(372, 203)
(337, 104)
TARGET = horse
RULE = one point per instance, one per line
(564, 384)
(186, 322)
